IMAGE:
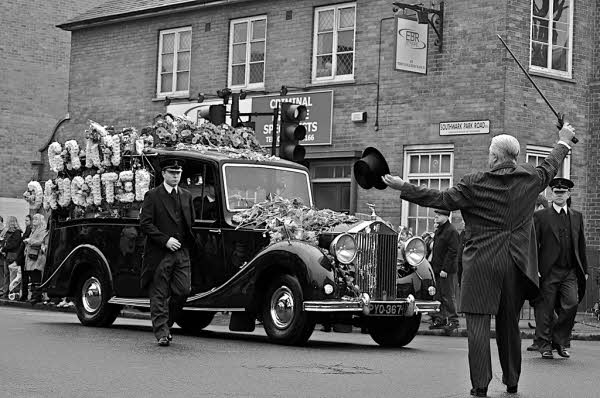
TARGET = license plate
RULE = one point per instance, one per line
(387, 309)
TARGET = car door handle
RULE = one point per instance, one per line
(215, 231)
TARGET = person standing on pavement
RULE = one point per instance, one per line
(563, 270)
(9, 247)
(35, 258)
(499, 258)
(166, 218)
(443, 262)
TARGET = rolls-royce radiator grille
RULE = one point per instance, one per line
(376, 264)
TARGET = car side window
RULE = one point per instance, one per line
(200, 181)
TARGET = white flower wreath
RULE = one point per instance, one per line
(55, 158)
(73, 161)
(142, 184)
(116, 150)
(106, 146)
(96, 189)
(92, 154)
(50, 195)
(77, 193)
(125, 183)
(108, 180)
(64, 191)
(34, 195)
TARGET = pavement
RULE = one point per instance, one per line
(586, 327)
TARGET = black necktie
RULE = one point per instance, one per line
(174, 194)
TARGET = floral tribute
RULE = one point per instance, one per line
(96, 179)
(183, 134)
(285, 218)
(290, 219)
(34, 195)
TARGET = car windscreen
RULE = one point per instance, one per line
(246, 185)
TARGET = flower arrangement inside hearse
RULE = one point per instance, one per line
(289, 219)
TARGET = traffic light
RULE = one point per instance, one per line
(292, 131)
(213, 113)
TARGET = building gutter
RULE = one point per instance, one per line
(146, 13)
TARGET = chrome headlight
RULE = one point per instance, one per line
(343, 248)
(414, 250)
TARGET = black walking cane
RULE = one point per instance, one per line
(559, 116)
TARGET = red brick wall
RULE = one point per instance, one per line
(35, 72)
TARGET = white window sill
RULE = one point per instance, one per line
(162, 97)
(331, 83)
(550, 75)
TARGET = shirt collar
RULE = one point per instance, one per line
(169, 188)
(557, 208)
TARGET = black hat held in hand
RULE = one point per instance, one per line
(370, 168)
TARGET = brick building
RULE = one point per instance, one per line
(127, 57)
(34, 89)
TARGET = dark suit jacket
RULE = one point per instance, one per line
(497, 207)
(445, 248)
(548, 243)
(157, 221)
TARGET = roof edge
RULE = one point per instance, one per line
(139, 14)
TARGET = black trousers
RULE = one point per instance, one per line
(168, 290)
(508, 336)
(447, 296)
(35, 278)
(559, 293)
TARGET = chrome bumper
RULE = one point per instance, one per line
(364, 305)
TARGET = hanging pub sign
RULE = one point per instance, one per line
(466, 127)
(318, 123)
(411, 45)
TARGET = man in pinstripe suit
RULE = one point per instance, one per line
(499, 257)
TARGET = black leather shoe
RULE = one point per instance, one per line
(479, 392)
(547, 354)
(562, 351)
(164, 342)
(512, 389)
(533, 347)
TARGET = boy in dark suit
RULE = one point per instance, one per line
(166, 218)
(443, 262)
(562, 265)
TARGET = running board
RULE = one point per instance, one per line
(141, 302)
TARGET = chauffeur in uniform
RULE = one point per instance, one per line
(443, 262)
(499, 257)
(166, 218)
(562, 265)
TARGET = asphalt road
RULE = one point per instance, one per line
(49, 354)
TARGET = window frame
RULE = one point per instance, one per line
(568, 74)
(334, 77)
(247, 84)
(318, 182)
(173, 92)
(411, 150)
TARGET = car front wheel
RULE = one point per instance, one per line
(91, 300)
(394, 332)
(284, 320)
